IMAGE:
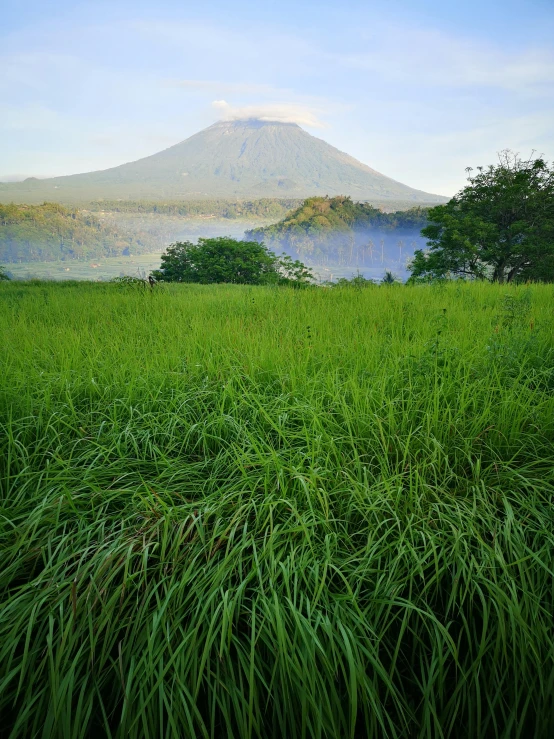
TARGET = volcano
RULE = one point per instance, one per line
(243, 159)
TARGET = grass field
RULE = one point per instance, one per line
(105, 269)
(252, 512)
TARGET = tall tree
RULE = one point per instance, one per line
(500, 226)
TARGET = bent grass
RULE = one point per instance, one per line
(216, 521)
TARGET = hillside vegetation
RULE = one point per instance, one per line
(51, 232)
(261, 512)
(338, 230)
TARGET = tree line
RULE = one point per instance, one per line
(262, 208)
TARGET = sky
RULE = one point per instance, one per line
(417, 90)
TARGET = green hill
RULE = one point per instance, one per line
(338, 231)
(230, 160)
(50, 232)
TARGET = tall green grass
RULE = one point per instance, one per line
(249, 512)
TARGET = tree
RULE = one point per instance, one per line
(3, 274)
(500, 226)
(225, 259)
(389, 278)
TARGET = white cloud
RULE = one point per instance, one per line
(282, 112)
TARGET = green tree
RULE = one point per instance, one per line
(389, 278)
(3, 274)
(500, 226)
(225, 259)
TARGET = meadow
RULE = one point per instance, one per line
(263, 512)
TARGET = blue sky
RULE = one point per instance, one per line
(417, 90)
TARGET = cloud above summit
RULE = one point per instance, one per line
(281, 112)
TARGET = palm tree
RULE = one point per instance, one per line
(389, 278)
(400, 246)
(370, 246)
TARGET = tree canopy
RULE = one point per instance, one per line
(225, 259)
(500, 226)
(318, 215)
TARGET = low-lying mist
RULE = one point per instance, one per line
(369, 251)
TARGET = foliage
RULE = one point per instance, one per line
(500, 226)
(317, 215)
(50, 232)
(340, 231)
(3, 273)
(317, 513)
(389, 278)
(225, 259)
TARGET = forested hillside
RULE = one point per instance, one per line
(50, 232)
(342, 232)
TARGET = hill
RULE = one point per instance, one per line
(50, 232)
(339, 232)
(230, 159)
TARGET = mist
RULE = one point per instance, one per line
(368, 251)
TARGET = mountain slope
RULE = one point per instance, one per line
(230, 159)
